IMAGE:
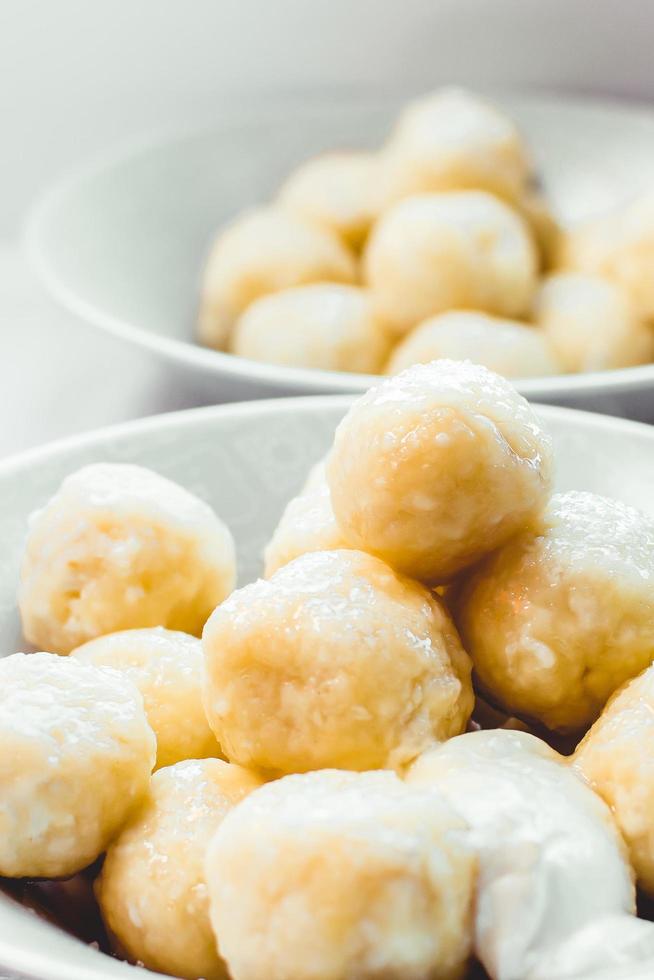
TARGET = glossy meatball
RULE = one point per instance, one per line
(334, 661)
(437, 252)
(591, 323)
(152, 891)
(336, 875)
(617, 759)
(551, 860)
(77, 753)
(504, 346)
(453, 140)
(327, 326)
(117, 547)
(168, 669)
(338, 190)
(261, 251)
(437, 466)
(562, 615)
(307, 524)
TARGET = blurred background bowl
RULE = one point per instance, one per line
(121, 245)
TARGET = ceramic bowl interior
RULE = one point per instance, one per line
(122, 244)
(246, 460)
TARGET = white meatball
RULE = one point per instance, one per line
(152, 891)
(437, 466)
(326, 325)
(77, 753)
(307, 524)
(338, 190)
(168, 669)
(117, 547)
(505, 346)
(618, 246)
(563, 614)
(591, 323)
(611, 947)
(334, 661)
(437, 252)
(334, 875)
(261, 251)
(616, 757)
(550, 858)
(453, 140)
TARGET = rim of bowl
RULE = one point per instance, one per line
(186, 418)
(210, 362)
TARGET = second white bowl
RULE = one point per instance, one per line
(122, 244)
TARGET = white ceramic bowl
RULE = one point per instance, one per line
(121, 245)
(246, 460)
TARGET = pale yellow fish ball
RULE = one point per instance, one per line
(77, 753)
(338, 190)
(453, 140)
(591, 323)
(562, 615)
(334, 661)
(118, 547)
(551, 859)
(435, 467)
(261, 251)
(168, 669)
(617, 759)
(437, 252)
(507, 347)
(543, 225)
(618, 246)
(152, 891)
(333, 875)
(328, 326)
(307, 524)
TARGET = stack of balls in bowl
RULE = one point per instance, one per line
(438, 245)
(325, 803)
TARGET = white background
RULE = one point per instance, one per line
(77, 76)
(81, 74)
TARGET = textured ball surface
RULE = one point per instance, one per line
(617, 758)
(121, 547)
(334, 661)
(77, 753)
(562, 615)
(331, 874)
(168, 669)
(152, 890)
(437, 466)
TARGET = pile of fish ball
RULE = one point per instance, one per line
(298, 779)
(438, 245)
